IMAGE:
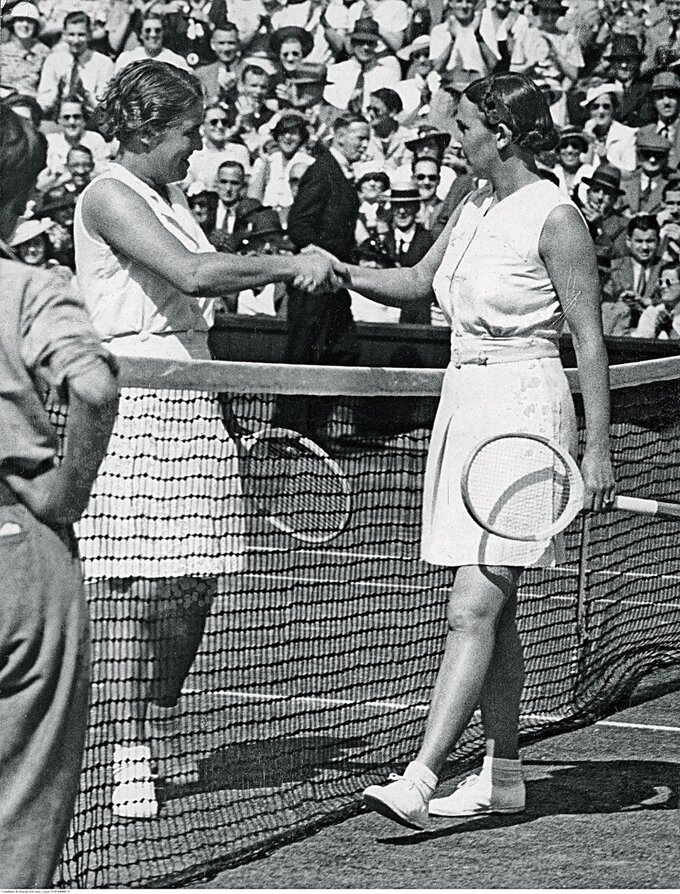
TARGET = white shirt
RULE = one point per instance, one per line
(391, 15)
(140, 53)
(226, 218)
(343, 77)
(342, 161)
(58, 149)
(94, 70)
(464, 50)
(308, 15)
(205, 162)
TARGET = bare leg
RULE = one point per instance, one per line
(502, 690)
(477, 603)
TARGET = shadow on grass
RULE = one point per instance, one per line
(577, 787)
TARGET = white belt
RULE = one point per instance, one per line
(483, 351)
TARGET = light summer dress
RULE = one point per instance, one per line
(167, 500)
(505, 374)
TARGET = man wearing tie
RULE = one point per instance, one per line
(73, 69)
(665, 92)
(232, 210)
(643, 189)
(634, 277)
(411, 242)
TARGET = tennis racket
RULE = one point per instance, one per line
(526, 487)
(291, 481)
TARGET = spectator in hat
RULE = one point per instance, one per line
(23, 55)
(662, 40)
(71, 131)
(421, 81)
(318, 19)
(269, 180)
(372, 184)
(611, 140)
(603, 192)
(353, 81)
(219, 78)
(429, 142)
(151, 36)
(25, 107)
(665, 95)
(387, 145)
(392, 18)
(307, 97)
(426, 176)
(460, 44)
(288, 46)
(73, 69)
(264, 236)
(635, 104)
(203, 206)
(571, 150)
(409, 243)
(544, 44)
(643, 189)
(221, 143)
(30, 242)
(634, 277)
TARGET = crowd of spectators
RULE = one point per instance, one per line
(277, 75)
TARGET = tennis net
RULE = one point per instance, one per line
(314, 671)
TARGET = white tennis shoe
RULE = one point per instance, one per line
(134, 793)
(477, 796)
(401, 800)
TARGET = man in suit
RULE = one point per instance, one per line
(219, 78)
(233, 210)
(643, 189)
(324, 213)
(606, 226)
(409, 242)
(635, 106)
(665, 95)
(634, 277)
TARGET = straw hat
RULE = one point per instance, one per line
(420, 43)
(599, 90)
(23, 10)
(403, 194)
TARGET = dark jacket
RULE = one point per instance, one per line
(325, 209)
(417, 311)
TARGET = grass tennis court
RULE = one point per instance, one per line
(315, 671)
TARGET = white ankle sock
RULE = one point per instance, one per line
(421, 774)
(502, 771)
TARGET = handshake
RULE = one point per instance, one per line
(317, 271)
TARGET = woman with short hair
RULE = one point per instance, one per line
(514, 262)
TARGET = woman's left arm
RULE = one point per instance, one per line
(568, 253)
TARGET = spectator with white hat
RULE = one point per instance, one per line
(23, 55)
(612, 141)
(421, 81)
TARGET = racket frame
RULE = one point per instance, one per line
(575, 503)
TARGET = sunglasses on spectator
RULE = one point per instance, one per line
(216, 122)
(664, 281)
(652, 153)
(357, 42)
(232, 182)
(571, 145)
(423, 54)
(666, 94)
(71, 117)
(430, 178)
(152, 30)
(602, 105)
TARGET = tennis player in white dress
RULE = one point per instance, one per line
(515, 261)
(166, 518)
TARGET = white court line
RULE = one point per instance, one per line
(651, 726)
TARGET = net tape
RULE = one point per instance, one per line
(314, 672)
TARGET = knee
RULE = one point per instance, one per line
(471, 615)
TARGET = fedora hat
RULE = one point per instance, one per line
(625, 46)
(291, 32)
(403, 194)
(265, 222)
(54, 200)
(365, 29)
(665, 80)
(30, 228)
(372, 249)
(569, 133)
(605, 175)
(370, 172)
(310, 73)
(427, 133)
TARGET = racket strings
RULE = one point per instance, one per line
(518, 486)
(299, 488)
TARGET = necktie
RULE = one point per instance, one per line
(642, 281)
(73, 83)
(357, 99)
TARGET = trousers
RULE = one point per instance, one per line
(44, 694)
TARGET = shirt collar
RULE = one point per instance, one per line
(342, 161)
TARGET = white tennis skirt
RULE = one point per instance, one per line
(167, 501)
(476, 403)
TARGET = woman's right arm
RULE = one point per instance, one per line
(113, 213)
(403, 285)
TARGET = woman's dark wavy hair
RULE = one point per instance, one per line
(23, 154)
(516, 101)
(144, 99)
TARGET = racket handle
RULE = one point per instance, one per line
(647, 507)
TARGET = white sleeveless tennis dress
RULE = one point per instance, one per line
(167, 500)
(505, 374)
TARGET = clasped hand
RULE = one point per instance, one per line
(319, 271)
